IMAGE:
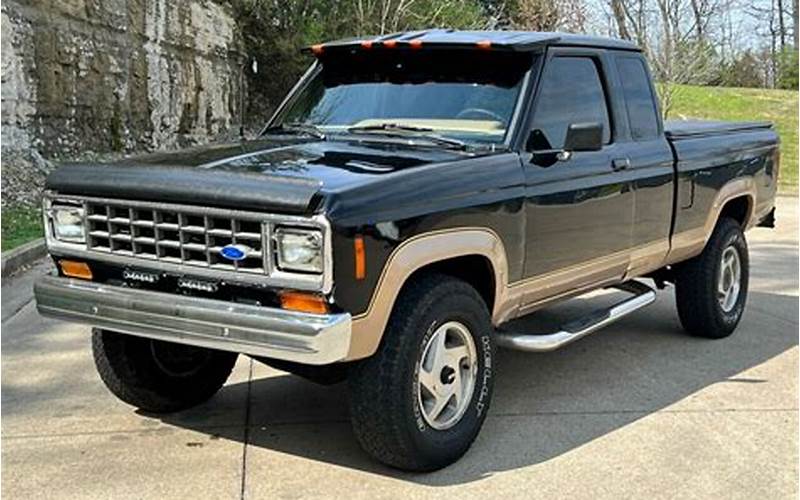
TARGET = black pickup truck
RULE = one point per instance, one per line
(413, 194)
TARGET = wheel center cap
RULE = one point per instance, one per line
(448, 375)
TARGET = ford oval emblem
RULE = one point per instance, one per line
(235, 252)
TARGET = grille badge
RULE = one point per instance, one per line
(235, 252)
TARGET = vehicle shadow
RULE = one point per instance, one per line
(545, 404)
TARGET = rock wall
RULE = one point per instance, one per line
(99, 76)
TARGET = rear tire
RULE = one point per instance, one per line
(156, 376)
(711, 289)
(419, 402)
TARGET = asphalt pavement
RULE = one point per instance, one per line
(638, 410)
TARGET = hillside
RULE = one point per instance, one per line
(722, 103)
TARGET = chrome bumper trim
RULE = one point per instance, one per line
(314, 339)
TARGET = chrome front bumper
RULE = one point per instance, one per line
(314, 339)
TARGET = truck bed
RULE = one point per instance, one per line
(716, 162)
(684, 129)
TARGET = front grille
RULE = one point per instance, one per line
(178, 236)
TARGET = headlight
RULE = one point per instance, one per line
(68, 223)
(299, 250)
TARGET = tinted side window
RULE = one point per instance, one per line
(639, 101)
(571, 92)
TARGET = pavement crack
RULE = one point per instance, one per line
(17, 310)
(639, 412)
(243, 485)
(209, 429)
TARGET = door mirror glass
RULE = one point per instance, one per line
(586, 136)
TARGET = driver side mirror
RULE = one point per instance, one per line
(586, 136)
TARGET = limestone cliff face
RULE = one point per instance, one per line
(84, 76)
(117, 74)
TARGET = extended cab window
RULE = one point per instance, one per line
(571, 92)
(639, 99)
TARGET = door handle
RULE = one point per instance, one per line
(620, 164)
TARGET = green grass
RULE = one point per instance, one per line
(20, 225)
(723, 103)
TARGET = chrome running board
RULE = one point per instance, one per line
(643, 296)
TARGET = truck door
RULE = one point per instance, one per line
(579, 207)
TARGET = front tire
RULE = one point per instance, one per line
(420, 401)
(711, 289)
(156, 376)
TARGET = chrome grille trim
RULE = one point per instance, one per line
(187, 239)
(177, 236)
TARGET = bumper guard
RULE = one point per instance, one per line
(314, 339)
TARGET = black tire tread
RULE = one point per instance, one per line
(374, 398)
(696, 278)
(139, 383)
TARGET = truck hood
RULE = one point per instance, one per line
(292, 175)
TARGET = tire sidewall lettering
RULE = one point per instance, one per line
(484, 393)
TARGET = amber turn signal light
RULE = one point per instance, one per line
(75, 269)
(361, 264)
(304, 302)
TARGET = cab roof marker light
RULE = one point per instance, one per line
(317, 49)
(366, 44)
(415, 44)
(390, 44)
(484, 44)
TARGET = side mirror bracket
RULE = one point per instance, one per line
(586, 136)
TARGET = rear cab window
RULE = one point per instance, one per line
(639, 98)
(571, 92)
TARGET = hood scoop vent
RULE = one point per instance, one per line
(368, 166)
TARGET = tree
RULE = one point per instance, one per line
(746, 70)
(787, 69)
(549, 15)
(274, 31)
(676, 35)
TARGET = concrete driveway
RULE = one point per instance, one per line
(639, 410)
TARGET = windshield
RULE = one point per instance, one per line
(470, 96)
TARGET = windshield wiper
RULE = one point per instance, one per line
(296, 128)
(399, 130)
